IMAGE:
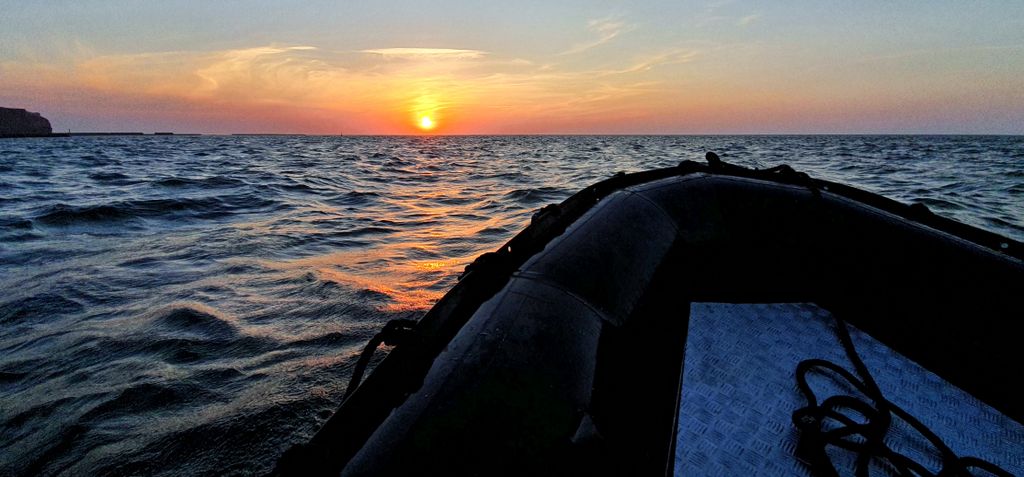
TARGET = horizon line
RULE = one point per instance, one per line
(163, 133)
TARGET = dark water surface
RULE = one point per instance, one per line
(193, 305)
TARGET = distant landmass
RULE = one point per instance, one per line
(19, 122)
(16, 122)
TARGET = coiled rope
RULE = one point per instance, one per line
(823, 425)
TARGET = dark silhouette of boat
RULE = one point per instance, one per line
(705, 319)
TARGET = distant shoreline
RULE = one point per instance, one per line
(70, 134)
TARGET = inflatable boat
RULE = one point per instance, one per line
(705, 319)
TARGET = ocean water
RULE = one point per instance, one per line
(194, 305)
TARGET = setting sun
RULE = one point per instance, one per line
(426, 123)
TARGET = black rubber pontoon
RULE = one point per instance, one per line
(563, 351)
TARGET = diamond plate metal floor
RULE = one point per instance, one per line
(739, 391)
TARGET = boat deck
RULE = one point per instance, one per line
(739, 392)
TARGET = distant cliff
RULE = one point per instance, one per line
(18, 122)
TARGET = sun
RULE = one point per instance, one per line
(426, 123)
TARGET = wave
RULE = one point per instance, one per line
(535, 195)
(493, 232)
(296, 187)
(64, 214)
(361, 231)
(11, 376)
(205, 182)
(353, 198)
(42, 305)
(15, 223)
(194, 319)
(332, 339)
(145, 397)
(108, 176)
(939, 204)
(61, 214)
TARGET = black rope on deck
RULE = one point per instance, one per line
(865, 438)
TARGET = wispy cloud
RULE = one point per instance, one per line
(426, 53)
(724, 12)
(606, 28)
(748, 20)
(716, 4)
(671, 57)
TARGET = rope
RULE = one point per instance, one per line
(394, 333)
(865, 438)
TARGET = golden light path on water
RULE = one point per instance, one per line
(407, 285)
(411, 269)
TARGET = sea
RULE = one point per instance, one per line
(194, 305)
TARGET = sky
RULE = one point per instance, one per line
(527, 67)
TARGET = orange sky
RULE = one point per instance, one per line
(718, 67)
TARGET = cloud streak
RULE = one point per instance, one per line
(748, 20)
(607, 29)
(426, 53)
(670, 57)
